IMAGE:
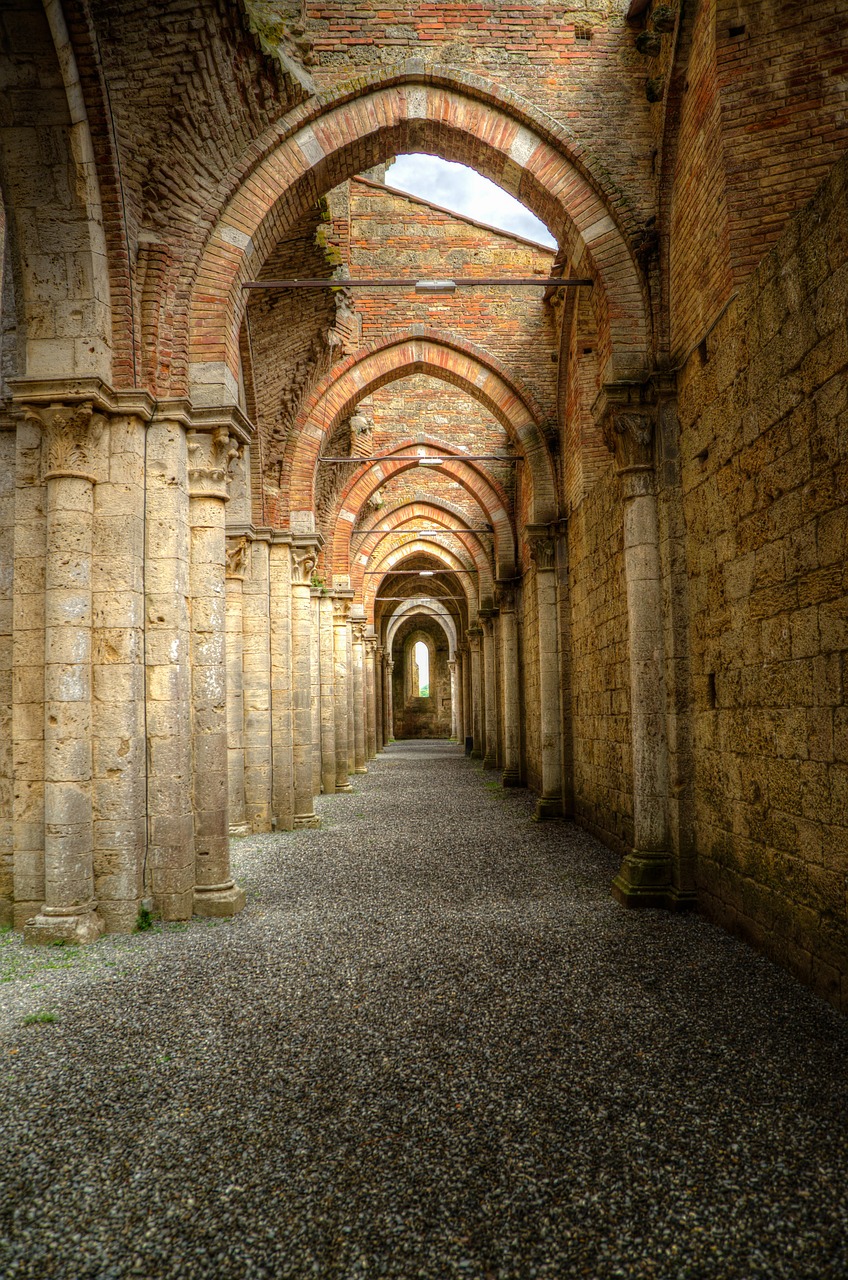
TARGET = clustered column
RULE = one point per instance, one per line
(304, 554)
(543, 553)
(510, 686)
(341, 609)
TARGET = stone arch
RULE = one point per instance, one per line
(61, 279)
(453, 362)
(355, 127)
(424, 605)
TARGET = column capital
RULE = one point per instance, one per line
(371, 643)
(211, 455)
(236, 566)
(342, 602)
(358, 626)
(626, 414)
(304, 556)
(541, 541)
(70, 435)
(505, 589)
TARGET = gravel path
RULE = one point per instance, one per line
(432, 1046)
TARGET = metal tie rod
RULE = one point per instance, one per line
(427, 460)
(363, 533)
(426, 286)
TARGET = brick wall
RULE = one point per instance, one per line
(765, 481)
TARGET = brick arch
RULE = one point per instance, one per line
(485, 491)
(431, 509)
(357, 127)
(473, 547)
(338, 394)
(392, 557)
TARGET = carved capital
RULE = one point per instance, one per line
(70, 434)
(358, 628)
(236, 558)
(341, 608)
(629, 434)
(542, 546)
(211, 457)
(304, 554)
(371, 644)
(505, 596)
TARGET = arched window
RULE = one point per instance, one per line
(421, 683)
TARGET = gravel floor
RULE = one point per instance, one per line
(432, 1046)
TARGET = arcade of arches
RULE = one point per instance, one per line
(594, 532)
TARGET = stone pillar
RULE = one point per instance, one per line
(359, 709)
(315, 616)
(378, 695)
(389, 700)
(452, 668)
(69, 911)
(543, 552)
(328, 706)
(236, 565)
(465, 698)
(210, 455)
(645, 878)
(281, 682)
(7, 774)
(341, 631)
(370, 697)
(475, 636)
(304, 552)
(351, 705)
(510, 686)
(490, 702)
(256, 644)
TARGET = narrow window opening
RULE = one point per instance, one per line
(711, 691)
(422, 669)
(738, 30)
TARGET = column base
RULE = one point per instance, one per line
(510, 778)
(490, 762)
(218, 900)
(360, 769)
(240, 829)
(343, 787)
(644, 880)
(304, 821)
(682, 899)
(71, 928)
(547, 807)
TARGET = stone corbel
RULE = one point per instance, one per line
(342, 601)
(70, 435)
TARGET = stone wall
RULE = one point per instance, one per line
(764, 425)
(600, 710)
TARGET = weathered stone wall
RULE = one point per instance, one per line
(764, 423)
(7, 549)
(600, 710)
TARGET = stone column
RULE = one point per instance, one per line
(304, 552)
(236, 566)
(210, 455)
(645, 878)
(69, 911)
(465, 698)
(315, 616)
(281, 682)
(370, 697)
(389, 700)
(341, 630)
(256, 644)
(490, 702)
(351, 705)
(452, 668)
(510, 686)
(543, 552)
(328, 705)
(359, 710)
(475, 636)
(378, 695)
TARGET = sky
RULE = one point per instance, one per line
(456, 187)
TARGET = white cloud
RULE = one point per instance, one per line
(456, 187)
